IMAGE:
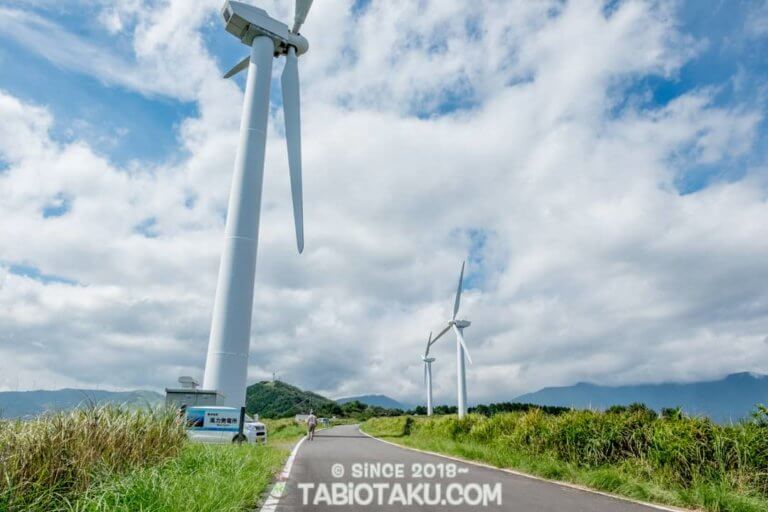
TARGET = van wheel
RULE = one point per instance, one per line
(239, 439)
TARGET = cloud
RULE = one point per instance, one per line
(425, 125)
(757, 22)
(176, 70)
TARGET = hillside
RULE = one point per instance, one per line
(23, 404)
(376, 401)
(724, 400)
(280, 400)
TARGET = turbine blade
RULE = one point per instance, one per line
(238, 67)
(458, 292)
(440, 334)
(302, 8)
(429, 342)
(425, 373)
(292, 114)
(463, 344)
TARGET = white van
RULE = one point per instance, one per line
(216, 424)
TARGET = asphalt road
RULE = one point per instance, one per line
(409, 480)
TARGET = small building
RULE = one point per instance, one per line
(188, 395)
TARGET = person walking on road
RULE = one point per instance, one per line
(311, 424)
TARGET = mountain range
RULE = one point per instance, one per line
(25, 404)
(376, 401)
(723, 400)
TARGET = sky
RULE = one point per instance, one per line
(602, 166)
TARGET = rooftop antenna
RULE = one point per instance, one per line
(226, 364)
(188, 382)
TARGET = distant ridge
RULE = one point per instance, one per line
(26, 404)
(376, 401)
(277, 399)
(724, 400)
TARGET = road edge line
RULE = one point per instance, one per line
(666, 508)
(273, 499)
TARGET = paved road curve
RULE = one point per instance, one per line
(379, 476)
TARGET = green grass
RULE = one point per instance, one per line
(203, 478)
(285, 429)
(117, 459)
(687, 462)
(49, 461)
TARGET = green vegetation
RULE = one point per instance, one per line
(118, 459)
(47, 462)
(360, 412)
(280, 400)
(285, 429)
(491, 409)
(203, 478)
(673, 459)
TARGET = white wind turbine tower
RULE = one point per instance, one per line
(428, 374)
(226, 364)
(458, 327)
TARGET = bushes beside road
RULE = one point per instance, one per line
(631, 451)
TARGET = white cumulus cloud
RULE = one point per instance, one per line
(433, 131)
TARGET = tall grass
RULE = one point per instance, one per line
(202, 478)
(47, 462)
(676, 459)
(284, 429)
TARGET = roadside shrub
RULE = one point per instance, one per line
(392, 427)
(670, 447)
(530, 432)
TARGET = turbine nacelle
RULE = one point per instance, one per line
(428, 359)
(461, 324)
(247, 22)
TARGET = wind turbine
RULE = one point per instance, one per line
(428, 374)
(226, 364)
(458, 327)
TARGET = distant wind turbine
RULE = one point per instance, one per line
(458, 327)
(428, 374)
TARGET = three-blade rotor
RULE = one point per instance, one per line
(452, 322)
(292, 115)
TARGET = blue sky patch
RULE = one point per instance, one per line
(116, 122)
(60, 205)
(35, 273)
(359, 7)
(147, 227)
